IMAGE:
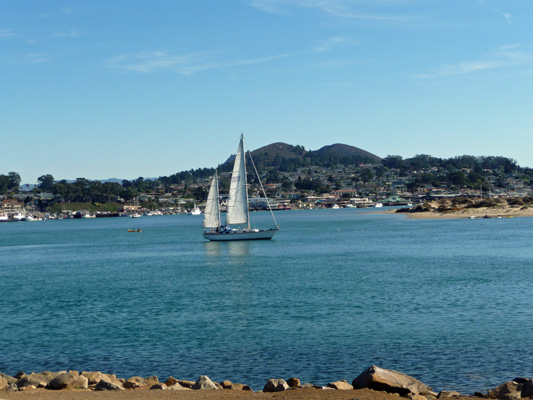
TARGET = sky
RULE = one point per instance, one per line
(148, 88)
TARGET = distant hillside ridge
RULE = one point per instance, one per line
(286, 157)
(343, 150)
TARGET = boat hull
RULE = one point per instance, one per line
(247, 235)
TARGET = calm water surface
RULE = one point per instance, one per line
(449, 302)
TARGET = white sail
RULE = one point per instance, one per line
(212, 208)
(237, 210)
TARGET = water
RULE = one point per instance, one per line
(336, 291)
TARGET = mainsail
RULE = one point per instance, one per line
(212, 208)
(237, 210)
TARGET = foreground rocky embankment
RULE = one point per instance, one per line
(372, 384)
(461, 207)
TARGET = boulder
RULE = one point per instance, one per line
(9, 379)
(151, 380)
(527, 390)
(4, 384)
(444, 394)
(171, 381)
(186, 384)
(507, 390)
(68, 380)
(93, 376)
(204, 383)
(104, 385)
(159, 386)
(177, 386)
(41, 379)
(275, 385)
(225, 384)
(293, 382)
(136, 382)
(340, 385)
(389, 381)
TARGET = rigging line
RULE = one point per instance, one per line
(261, 184)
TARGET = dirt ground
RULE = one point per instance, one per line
(293, 394)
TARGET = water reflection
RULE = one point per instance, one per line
(236, 249)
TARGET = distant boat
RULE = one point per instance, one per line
(135, 230)
(378, 205)
(335, 206)
(195, 211)
(3, 218)
(136, 215)
(18, 217)
(88, 216)
(237, 225)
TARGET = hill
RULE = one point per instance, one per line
(343, 150)
(287, 157)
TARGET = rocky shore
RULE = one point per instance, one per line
(460, 207)
(372, 384)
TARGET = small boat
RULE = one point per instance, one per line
(88, 215)
(135, 230)
(237, 212)
(195, 211)
(335, 206)
(3, 218)
(136, 215)
(378, 205)
(18, 217)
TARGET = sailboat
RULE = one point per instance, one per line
(237, 226)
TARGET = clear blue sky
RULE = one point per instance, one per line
(101, 89)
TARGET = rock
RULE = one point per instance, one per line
(416, 397)
(308, 385)
(27, 388)
(507, 390)
(4, 384)
(340, 385)
(159, 386)
(136, 382)
(204, 383)
(225, 384)
(177, 386)
(41, 379)
(389, 381)
(444, 394)
(293, 382)
(151, 380)
(186, 384)
(171, 381)
(68, 380)
(9, 379)
(527, 390)
(275, 385)
(107, 385)
(93, 376)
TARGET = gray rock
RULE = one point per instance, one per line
(69, 380)
(106, 385)
(177, 386)
(151, 380)
(9, 379)
(204, 383)
(507, 390)
(186, 384)
(159, 386)
(389, 381)
(136, 382)
(41, 379)
(275, 385)
(340, 385)
(93, 376)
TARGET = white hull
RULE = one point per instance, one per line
(240, 235)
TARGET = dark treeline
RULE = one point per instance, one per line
(462, 171)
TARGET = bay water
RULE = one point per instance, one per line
(449, 302)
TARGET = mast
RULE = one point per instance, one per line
(245, 180)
